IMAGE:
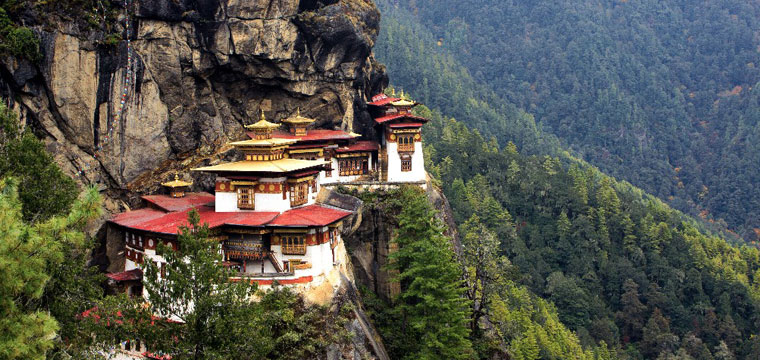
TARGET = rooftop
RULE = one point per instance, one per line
(168, 203)
(170, 223)
(406, 125)
(382, 100)
(400, 116)
(403, 102)
(262, 124)
(273, 166)
(359, 146)
(314, 135)
(312, 215)
(298, 119)
(130, 275)
(177, 182)
(263, 142)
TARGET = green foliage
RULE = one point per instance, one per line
(622, 268)
(430, 310)
(45, 190)
(428, 319)
(661, 94)
(29, 256)
(196, 311)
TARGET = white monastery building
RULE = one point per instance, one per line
(264, 211)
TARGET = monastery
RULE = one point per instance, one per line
(264, 210)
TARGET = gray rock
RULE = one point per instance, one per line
(203, 68)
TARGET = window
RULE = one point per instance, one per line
(293, 245)
(299, 193)
(406, 142)
(406, 164)
(353, 166)
(246, 197)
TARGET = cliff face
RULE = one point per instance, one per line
(202, 70)
(369, 238)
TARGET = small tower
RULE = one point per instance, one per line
(262, 130)
(298, 123)
(177, 187)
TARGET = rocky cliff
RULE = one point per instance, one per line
(202, 69)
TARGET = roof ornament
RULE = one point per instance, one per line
(177, 187)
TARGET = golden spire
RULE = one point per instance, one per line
(262, 124)
(299, 119)
(177, 182)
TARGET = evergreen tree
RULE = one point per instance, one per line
(431, 307)
(46, 191)
(28, 254)
(207, 315)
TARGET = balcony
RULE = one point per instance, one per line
(294, 249)
(406, 147)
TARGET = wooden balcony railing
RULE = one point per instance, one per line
(294, 249)
(406, 147)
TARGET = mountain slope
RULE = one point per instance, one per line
(661, 94)
(621, 266)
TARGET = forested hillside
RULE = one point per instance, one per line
(622, 268)
(662, 94)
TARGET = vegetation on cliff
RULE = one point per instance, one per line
(45, 190)
(625, 271)
(440, 291)
(45, 282)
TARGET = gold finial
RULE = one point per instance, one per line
(393, 91)
(402, 95)
(298, 111)
(263, 118)
(176, 177)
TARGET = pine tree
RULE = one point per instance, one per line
(208, 314)
(27, 255)
(486, 269)
(431, 306)
(631, 316)
(47, 191)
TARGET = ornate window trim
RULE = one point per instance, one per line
(246, 196)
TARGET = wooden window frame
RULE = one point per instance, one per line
(405, 143)
(293, 244)
(248, 191)
(352, 166)
(406, 165)
(299, 193)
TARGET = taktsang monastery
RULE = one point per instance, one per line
(265, 211)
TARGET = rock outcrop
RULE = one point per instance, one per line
(203, 69)
(370, 232)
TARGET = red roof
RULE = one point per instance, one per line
(168, 203)
(135, 274)
(170, 223)
(311, 135)
(312, 215)
(384, 119)
(382, 100)
(359, 146)
(137, 217)
(405, 125)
